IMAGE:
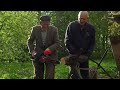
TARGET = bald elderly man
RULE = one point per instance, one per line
(80, 41)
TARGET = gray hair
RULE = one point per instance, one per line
(85, 12)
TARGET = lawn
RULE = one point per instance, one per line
(25, 70)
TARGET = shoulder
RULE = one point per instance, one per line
(90, 26)
(73, 23)
(53, 28)
(36, 27)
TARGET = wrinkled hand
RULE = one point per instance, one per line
(82, 58)
(47, 52)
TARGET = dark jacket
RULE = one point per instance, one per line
(80, 39)
(52, 41)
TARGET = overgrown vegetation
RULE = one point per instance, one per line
(114, 26)
(21, 70)
(15, 28)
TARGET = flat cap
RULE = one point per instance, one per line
(45, 18)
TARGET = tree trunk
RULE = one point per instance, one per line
(115, 42)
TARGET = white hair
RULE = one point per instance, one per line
(85, 12)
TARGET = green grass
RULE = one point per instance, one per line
(109, 65)
(25, 70)
(16, 71)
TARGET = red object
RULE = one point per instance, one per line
(42, 60)
(47, 52)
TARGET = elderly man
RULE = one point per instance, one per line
(44, 42)
(80, 41)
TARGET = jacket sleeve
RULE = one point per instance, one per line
(92, 40)
(56, 41)
(31, 41)
(68, 40)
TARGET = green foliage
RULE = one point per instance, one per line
(114, 30)
(100, 22)
(15, 28)
(110, 67)
(25, 70)
(114, 27)
(16, 70)
(14, 32)
(61, 71)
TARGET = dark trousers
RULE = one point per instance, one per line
(83, 72)
(40, 68)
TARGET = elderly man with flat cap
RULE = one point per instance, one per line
(80, 41)
(43, 44)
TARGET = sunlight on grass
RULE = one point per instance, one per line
(109, 65)
(5, 76)
(16, 71)
(25, 70)
(61, 71)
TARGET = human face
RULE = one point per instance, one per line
(83, 19)
(45, 24)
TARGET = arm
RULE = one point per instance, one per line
(92, 42)
(55, 46)
(68, 40)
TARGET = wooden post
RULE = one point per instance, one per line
(115, 42)
(116, 53)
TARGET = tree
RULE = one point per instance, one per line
(15, 28)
